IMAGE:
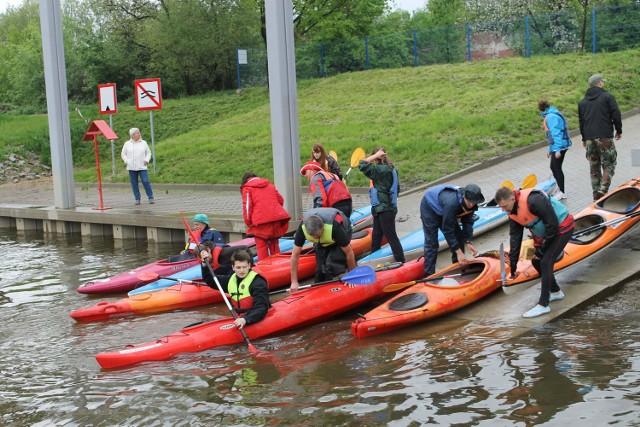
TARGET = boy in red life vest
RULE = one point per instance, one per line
(327, 189)
(248, 291)
(551, 227)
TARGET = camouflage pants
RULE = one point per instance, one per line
(602, 156)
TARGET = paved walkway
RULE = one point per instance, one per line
(209, 199)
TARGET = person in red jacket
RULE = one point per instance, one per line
(263, 213)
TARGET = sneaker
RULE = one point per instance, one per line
(559, 195)
(556, 296)
(536, 311)
(152, 201)
(598, 195)
(137, 202)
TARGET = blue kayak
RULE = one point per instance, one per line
(359, 217)
(490, 217)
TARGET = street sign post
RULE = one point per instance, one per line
(108, 103)
(149, 98)
(99, 127)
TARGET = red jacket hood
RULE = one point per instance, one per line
(257, 182)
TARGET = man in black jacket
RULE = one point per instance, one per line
(598, 113)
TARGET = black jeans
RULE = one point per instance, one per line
(556, 168)
(384, 224)
(544, 265)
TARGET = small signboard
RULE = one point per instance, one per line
(148, 94)
(242, 56)
(107, 98)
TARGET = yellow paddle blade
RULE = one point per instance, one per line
(333, 154)
(529, 182)
(397, 286)
(507, 184)
(357, 155)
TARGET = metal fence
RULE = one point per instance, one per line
(606, 29)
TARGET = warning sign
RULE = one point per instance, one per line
(148, 94)
(107, 98)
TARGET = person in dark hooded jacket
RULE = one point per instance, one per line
(599, 114)
(264, 214)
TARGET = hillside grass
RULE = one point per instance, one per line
(433, 120)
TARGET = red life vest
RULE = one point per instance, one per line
(332, 189)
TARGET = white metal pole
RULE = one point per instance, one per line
(285, 138)
(55, 77)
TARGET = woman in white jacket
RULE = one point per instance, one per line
(136, 156)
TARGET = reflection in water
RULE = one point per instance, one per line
(583, 370)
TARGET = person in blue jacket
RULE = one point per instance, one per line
(557, 133)
(451, 209)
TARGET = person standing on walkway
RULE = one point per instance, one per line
(557, 133)
(551, 226)
(263, 213)
(599, 114)
(451, 209)
(325, 160)
(330, 231)
(327, 189)
(136, 156)
(383, 192)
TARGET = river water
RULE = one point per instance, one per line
(582, 370)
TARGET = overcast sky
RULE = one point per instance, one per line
(409, 5)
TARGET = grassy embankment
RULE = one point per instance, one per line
(433, 120)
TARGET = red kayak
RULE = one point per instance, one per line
(187, 294)
(125, 282)
(304, 308)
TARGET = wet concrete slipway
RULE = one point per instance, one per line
(464, 369)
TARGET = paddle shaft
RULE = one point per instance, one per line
(357, 274)
(605, 224)
(231, 310)
(397, 286)
(192, 282)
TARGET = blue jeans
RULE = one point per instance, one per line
(144, 177)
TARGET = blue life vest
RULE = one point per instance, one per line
(433, 193)
(393, 191)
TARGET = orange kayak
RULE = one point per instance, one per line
(448, 290)
(597, 226)
(275, 269)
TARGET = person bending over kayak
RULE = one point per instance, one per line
(451, 209)
(551, 227)
(330, 231)
(248, 290)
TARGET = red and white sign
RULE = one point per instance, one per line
(148, 94)
(107, 98)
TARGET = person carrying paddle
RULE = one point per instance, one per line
(330, 231)
(327, 189)
(328, 163)
(551, 226)
(451, 209)
(557, 133)
(248, 290)
(263, 213)
(383, 192)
